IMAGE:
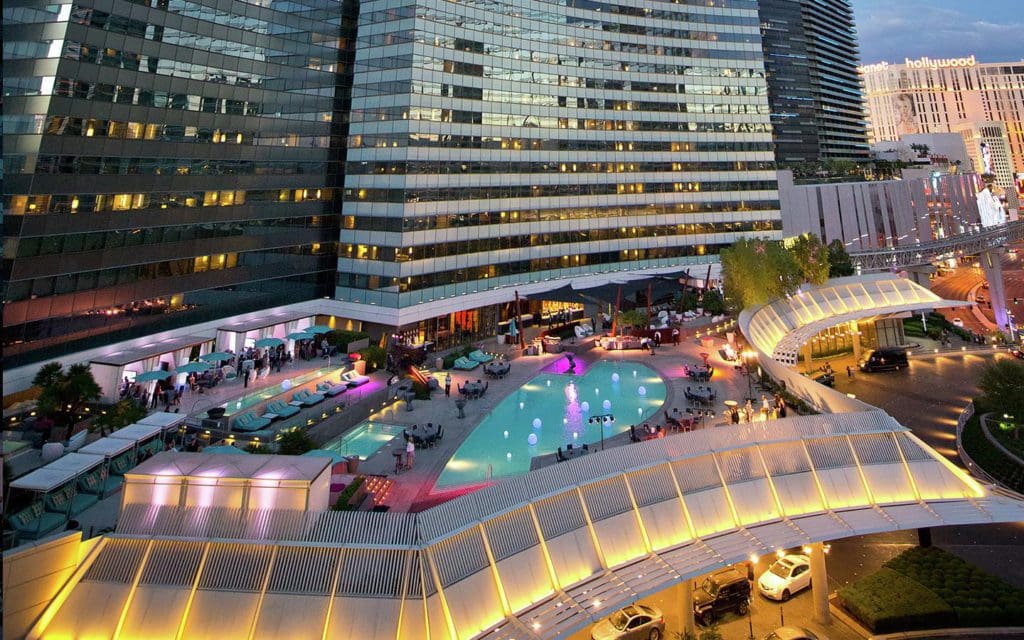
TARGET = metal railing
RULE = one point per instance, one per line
(925, 252)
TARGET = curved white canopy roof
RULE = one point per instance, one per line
(781, 327)
(535, 556)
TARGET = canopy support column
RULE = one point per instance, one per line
(689, 624)
(819, 584)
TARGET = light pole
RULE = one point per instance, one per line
(602, 420)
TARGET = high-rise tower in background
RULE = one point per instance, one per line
(500, 144)
(166, 162)
(811, 56)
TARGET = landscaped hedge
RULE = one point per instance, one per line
(928, 588)
(342, 339)
(988, 456)
(374, 357)
(342, 503)
(888, 601)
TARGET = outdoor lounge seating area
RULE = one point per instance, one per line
(481, 357)
(51, 494)
(330, 389)
(248, 422)
(281, 409)
(354, 379)
(466, 364)
(306, 398)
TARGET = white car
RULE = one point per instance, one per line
(635, 622)
(957, 322)
(785, 577)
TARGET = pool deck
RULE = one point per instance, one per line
(413, 489)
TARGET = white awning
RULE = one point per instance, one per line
(58, 472)
(108, 447)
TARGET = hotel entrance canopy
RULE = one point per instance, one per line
(541, 555)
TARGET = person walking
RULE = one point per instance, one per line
(849, 371)
(675, 336)
(447, 385)
(410, 453)
(245, 378)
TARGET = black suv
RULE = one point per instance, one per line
(723, 591)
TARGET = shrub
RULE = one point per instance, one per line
(421, 390)
(888, 601)
(342, 339)
(122, 414)
(988, 457)
(375, 357)
(346, 494)
(294, 443)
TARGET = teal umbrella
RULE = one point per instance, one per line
(324, 453)
(269, 342)
(194, 367)
(149, 376)
(216, 356)
(318, 329)
(299, 335)
(224, 448)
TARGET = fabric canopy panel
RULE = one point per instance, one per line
(622, 524)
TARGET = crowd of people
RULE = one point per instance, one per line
(770, 409)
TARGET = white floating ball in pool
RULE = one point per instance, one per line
(597, 391)
(584, 406)
(634, 373)
(286, 384)
(565, 420)
(642, 390)
(536, 423)
(615, 377)
(506, 434)
(549, 383)
(508, 456)
(532, 439)
(521, 405)
(607, 405)
(575, 435)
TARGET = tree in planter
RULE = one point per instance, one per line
(686, 301)
(294, 443)
(122, 414)
(64, 394)
(712, 302)
(632, 318)
(811, 258)
(1001, 383)
(839, 263)
(756, 271)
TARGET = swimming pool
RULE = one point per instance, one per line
(364, 440)
(499, 443)
(241, 404)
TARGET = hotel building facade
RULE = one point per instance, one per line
(955, 95)
(501, 145)
(166, 162)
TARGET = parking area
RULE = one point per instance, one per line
(764, 615)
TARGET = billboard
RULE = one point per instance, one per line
(906, 114)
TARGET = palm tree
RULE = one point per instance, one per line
(64, 394)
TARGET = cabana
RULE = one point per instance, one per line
(256, 481)
(55, 497)
(147, 437)
(235, 337)
(110, 369)
(118, 453)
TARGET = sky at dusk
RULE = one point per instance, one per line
(892, 30)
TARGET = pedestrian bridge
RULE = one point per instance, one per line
(901, 257)
(537, 556)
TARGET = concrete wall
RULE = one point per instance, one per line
(34, 573)
(872, 215)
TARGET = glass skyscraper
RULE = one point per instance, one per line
(496, 144)
(167, 161)
(811, 55)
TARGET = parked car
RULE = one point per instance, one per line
(885, 359)
(823, 377)
(957, 322)
(721, 592)
(793, 633)
(787, 575)
(1017, 352)
(635, 622)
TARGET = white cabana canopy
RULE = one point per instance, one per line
(536, 556)
(108, 447)
(59, 472)
(137, 432)
(163, 419)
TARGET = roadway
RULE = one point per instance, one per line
(966, 282)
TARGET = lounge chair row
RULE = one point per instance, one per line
(473, 360)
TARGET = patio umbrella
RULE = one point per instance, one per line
(324, 453)
(224, 448)
(299, 335)
(269, 342)
(216, 356)
(194, 367)
(149, 376)
(318, 329)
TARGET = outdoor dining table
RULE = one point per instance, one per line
(473, 389)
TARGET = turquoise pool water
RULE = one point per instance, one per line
(365, 440)
(243, 403)
(563, 417)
